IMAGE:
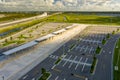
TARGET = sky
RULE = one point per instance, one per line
(59, 5)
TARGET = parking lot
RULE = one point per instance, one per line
(76, 55)
(78, 61)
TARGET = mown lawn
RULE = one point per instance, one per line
(15, 16)
(116, 55)
(85, 18)
(68, 18)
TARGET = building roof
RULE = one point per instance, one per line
(19, 48)
(44, 37)
(60, 31)
(69, 27)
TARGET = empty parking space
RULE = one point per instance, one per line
(74, 63)
(85, 49)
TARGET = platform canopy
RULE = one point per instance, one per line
(20, 48)
(69, 27)
(44, 37)
(60, 31)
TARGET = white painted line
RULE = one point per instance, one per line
(67, 61)
(64, 79)
(81, 48)
(84, 64)
(77, 47)
(53, 67)
(53, 56)
(57, 78)
(72, 62)
(86, 49)
(25, 77)
(33, 78)
(56, 57)
(90, 50)
(78, 63)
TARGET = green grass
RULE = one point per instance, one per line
(22, 37)
(13, 41)
(72, 46)
(84, 18)
(98, 50)
(59, 59)
(116, 52)
(93, 65)
(45, 76)
(43, 70)
(113, 32)
(15, 16)
(67, 18)
(103, 41)
(108, 36)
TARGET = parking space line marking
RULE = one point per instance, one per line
(81, 48)
(25, 77)
(57, 78)
(72, 62)
(90, 50)
(84, 64)
(78, 63)
(86, 49)
(64, 79)
(77, 47)
(67, 61)
(53, 67)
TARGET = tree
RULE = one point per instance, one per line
(108, 35)
(117, 29)
(11, 38)
(113, 32)
(30, 35)
(43, 70)
(6, 40)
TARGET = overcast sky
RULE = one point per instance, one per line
(63, 5)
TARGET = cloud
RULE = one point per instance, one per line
(39, 5)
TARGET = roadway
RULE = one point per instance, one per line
(104, 65)
(22, 20)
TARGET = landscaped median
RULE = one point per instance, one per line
(45, 75)
(93, 65)
(116, 61)
(103, 41)
(59, 59)
(72, 46)
(98, 50)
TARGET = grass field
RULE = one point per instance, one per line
(68, 18)
(15, 16)
(116, 61)
(19, 27)
(85, 18)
